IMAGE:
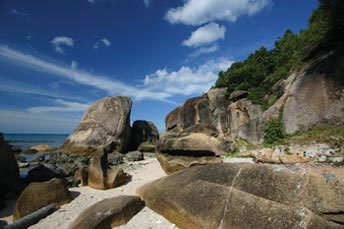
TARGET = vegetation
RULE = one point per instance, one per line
(274, 132)
(264, 68)
(321, 133)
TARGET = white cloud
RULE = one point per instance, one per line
(187, 80)
(74, 64)
(205, 35)
(103, 41)
(197, 12)
(106, 42)
(20, 87)
(62, 106)
(92, 1)
(204, 50)
(79, 76)
(14, 11)
(60, 41)
(147, 2)
(162, 85)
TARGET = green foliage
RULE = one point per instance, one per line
(323, 133)
(274, 132)
(264, 68)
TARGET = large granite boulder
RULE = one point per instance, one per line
(38, 195)
(172, 163)
(143, 132)
(101, 176)
(108, 213)
(248, 196)
(190, 144)
(179, 151)
(105, 121)
(193, 111)
(9, 171)
(315, 97)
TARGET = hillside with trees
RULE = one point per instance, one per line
(264, 68)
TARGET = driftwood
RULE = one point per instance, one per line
(32, 218)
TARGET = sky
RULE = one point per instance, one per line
(59, 56)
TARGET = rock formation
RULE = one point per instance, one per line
(249, 196)
(101, 176)
(143, 133)
(9, 171)
(43, 148)
(38, 195)
(108, 213)
(105, 121)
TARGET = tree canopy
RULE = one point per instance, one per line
(264, 68)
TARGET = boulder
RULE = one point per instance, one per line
(105, 121)
(171, 163)
(304, 108)
(9, 171)
(82, 175)
(236, 95)
(101, 176)
(193, 111)
(29, 151)
(135, 156)
(108, 213)
(217, 98)
(146, 148)
(38, 195)
(45, 172)
(43, 148)
(248, 196)
(194, 144)
(143, 132)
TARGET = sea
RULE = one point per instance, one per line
(25, 141)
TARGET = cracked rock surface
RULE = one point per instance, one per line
(249, 196)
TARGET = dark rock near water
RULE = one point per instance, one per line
(29, 151)
(108, 213)
(248, 196)
(16, 149)
(38, 195)
(9, 171)
(42, 173)
(105, 121)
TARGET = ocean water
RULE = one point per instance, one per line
(25, 141)
(28, 140)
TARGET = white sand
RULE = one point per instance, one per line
(142, 172)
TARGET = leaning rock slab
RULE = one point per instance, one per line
(171, 164)
(105, 121)
(194, 144)
(246, 196)
(38, 195)
(108, 213)
(101, 176)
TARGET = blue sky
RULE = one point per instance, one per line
(59, 56)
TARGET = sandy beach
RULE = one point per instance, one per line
(142, 172)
